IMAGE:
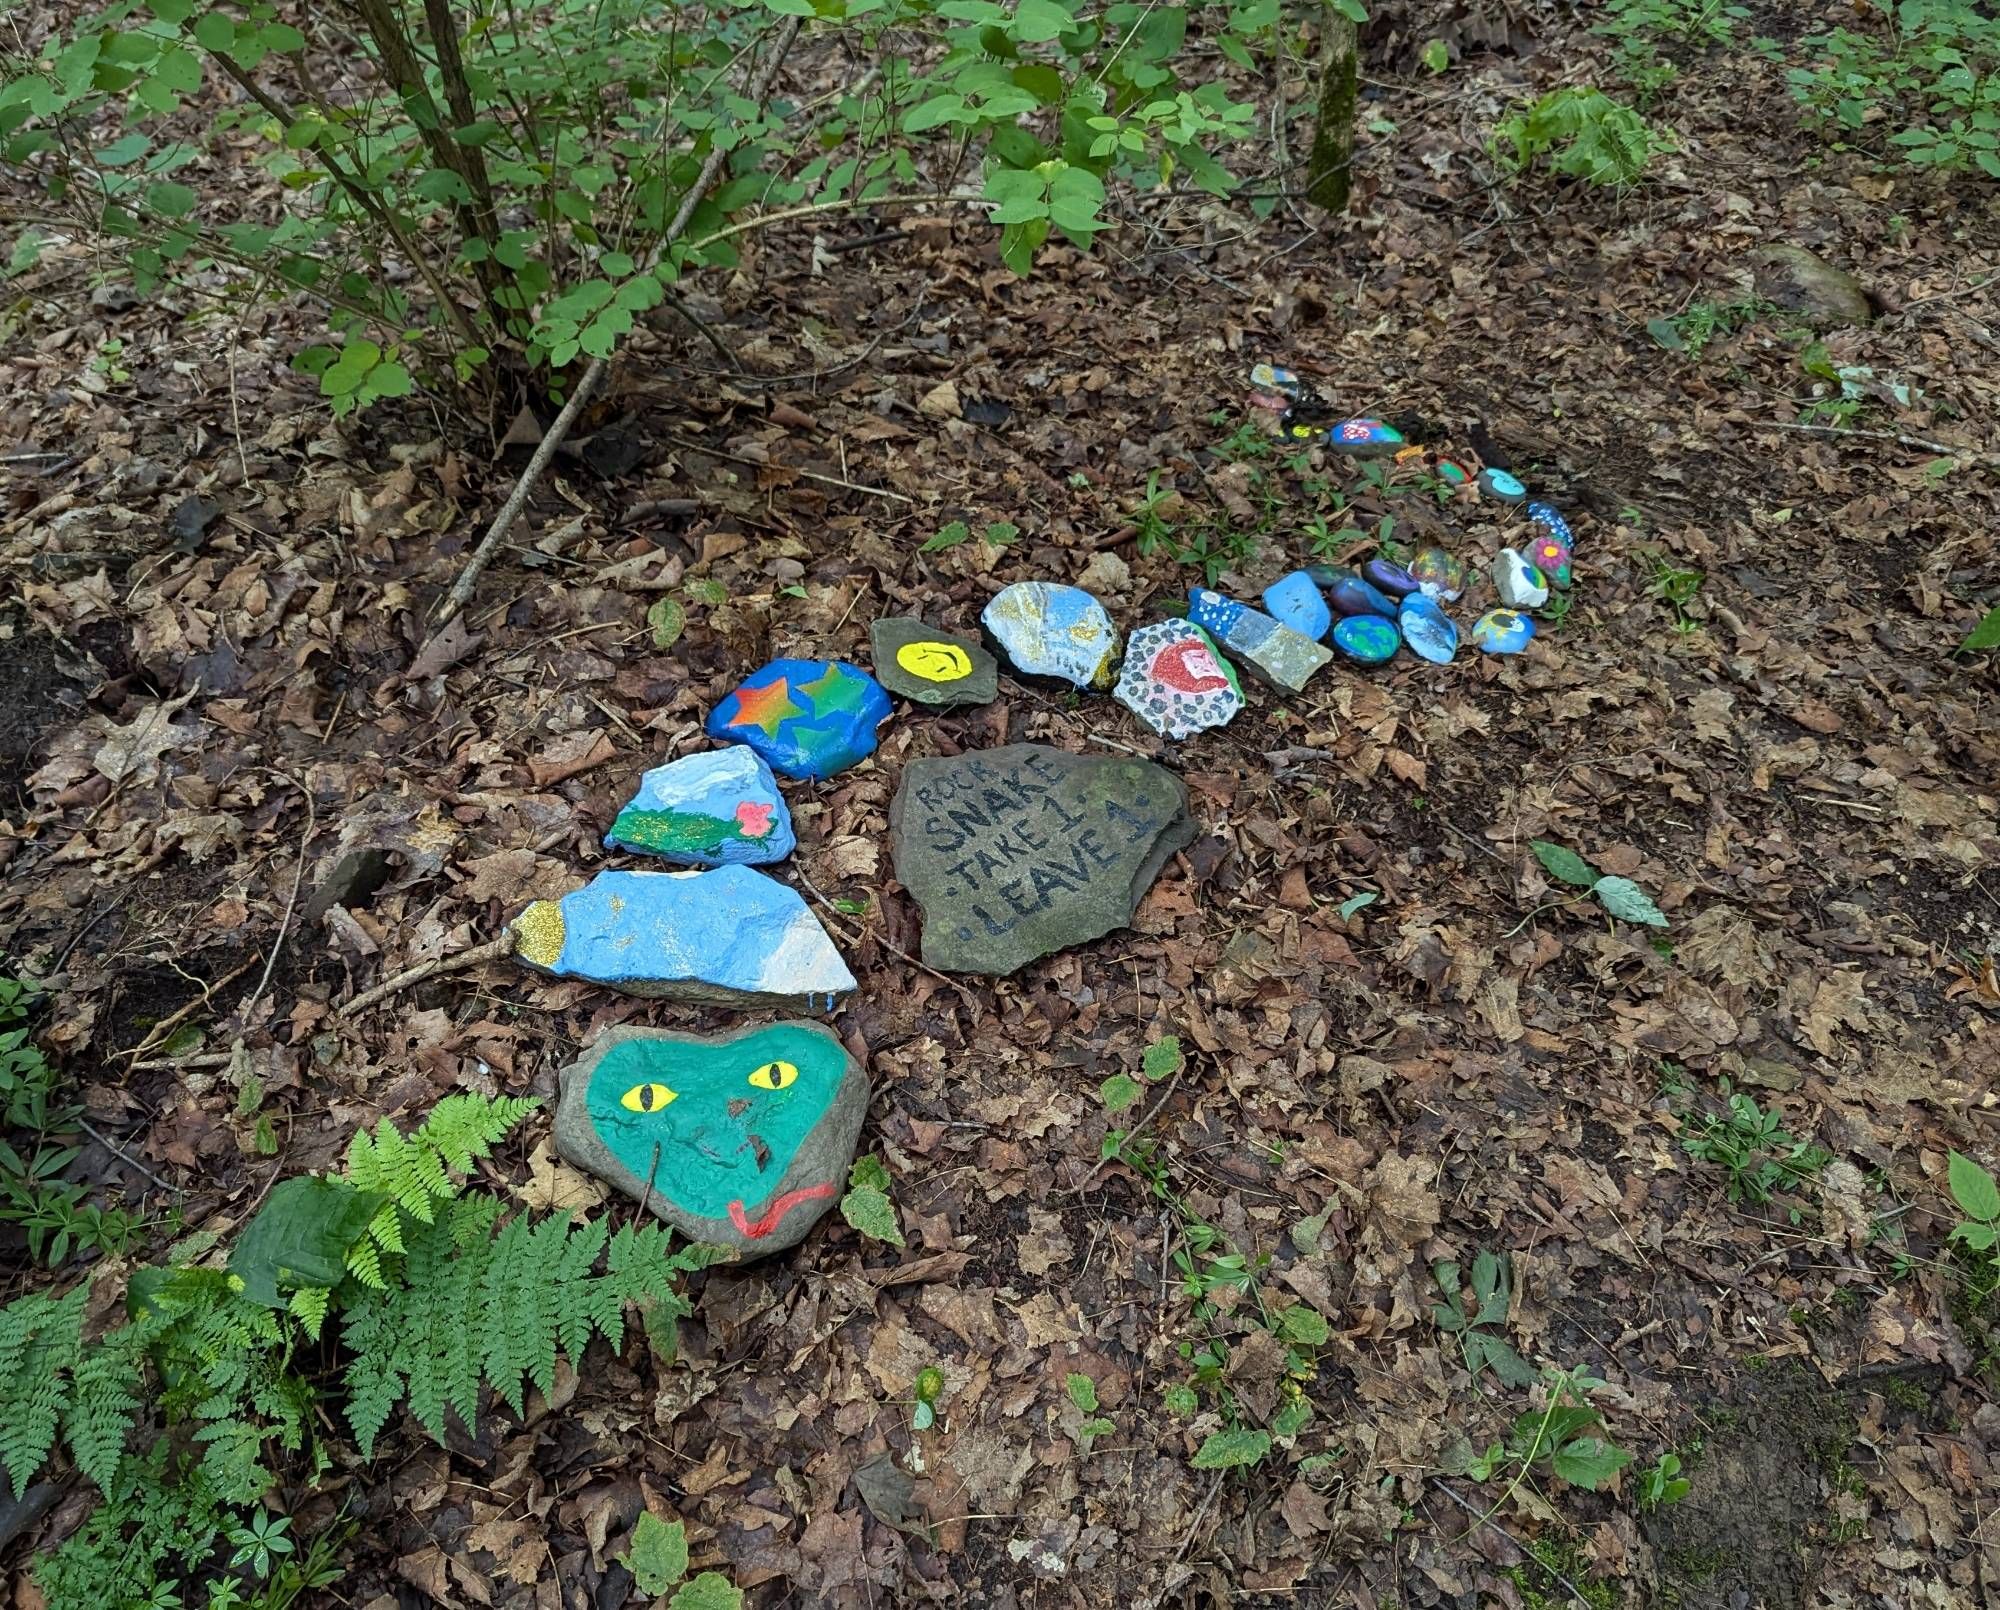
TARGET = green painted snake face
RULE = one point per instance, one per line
(728, 1120)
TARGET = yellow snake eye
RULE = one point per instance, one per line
(647, 1097)
(774, 1075)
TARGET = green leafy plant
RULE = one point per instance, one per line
(521, 186)
(1661, 1483)
(657, 1557)
(1580, 133)
(1760, 1155)
(1081, 1391)
(1621, 897)
(1636, 28)
(1565, 1438)
(925, 1392)
(1690, 331)
(1481, 1329)
(1927, 69)
(867, 1205)
(1160, 1060)
(1978, 1198)
(1983, 636)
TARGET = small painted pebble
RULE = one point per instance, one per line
(1047, 629)
(1176, 680)
(1502, 485)
(1269, 377)
(1452, 473)
(1544, 515)
(1299, 604)
(1428, 630)
(1367, 639)
(807, 718)
(1363, 438)
(1503, 631)
(1438, 575)
(1519, 582)
(1352, 596)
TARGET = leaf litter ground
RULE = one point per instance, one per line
(1802, 777)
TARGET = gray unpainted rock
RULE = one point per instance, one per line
(822, 1158)
(1019, 852)
(1799, 282)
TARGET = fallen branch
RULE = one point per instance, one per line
(458, 962)
(1921, 443)
(510, 511)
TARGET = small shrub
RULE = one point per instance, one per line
(1581, 133)
(1759, 1153)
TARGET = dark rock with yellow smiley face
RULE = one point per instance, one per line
(930, 665)
(739, 1140)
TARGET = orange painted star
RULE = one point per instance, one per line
(768, 707)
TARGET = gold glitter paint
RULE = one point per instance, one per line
(538, 933)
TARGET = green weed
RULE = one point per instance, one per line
(1580, 133)
(1760, 1156)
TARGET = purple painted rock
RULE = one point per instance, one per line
(1550, 555)
(1438, 575)
(1391, 577)
(1364, 438)
(1350, 595)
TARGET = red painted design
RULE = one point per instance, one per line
(1188, 667)
(753, 818)
(767, 1221)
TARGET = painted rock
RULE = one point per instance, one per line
(1501, 484)
(1047, 629)
(722, 808)
(1296, 602)
(1552, 523)
(1176, 680)
(1503, 631)
(1428, 630)
(806, 718)
(1363, 438)
(1438, 575)
(733, 937)
(1519, 582)
(1353, 596)
(739, 1140)
(1550, 555)
(1367, 639)
(930, 665)
(1269, 649)
(1453, 473)
(1269, 377)
(1389, 576)
(1018, 852)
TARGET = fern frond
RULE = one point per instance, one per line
(104, 1397)
(308, 1306)
(465, 1128)
(576, 1312)
(40, 1338)
(521, 1306)
(375, 1374)
(364, 1262)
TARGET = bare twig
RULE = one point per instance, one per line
(1921, 443)
(492, 950)
(291, 902)
(1132, 1134)
(1479, 1520)
(810, 475)
(165, 1027)
(125, 1157)
(510, 511)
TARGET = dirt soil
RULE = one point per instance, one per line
(1405, 1041)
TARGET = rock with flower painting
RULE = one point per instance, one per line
(730, 937)
(1176, 680)
(738, 1140)
(722, 808)
(1047, 629)
(804, 718)
(1364, 438)
(1551, 549)
(931, 666)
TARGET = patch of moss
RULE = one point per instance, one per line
(1540, 1578)
(1906, 1394)
(1696, 1564)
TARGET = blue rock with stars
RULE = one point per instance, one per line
(1299, 604)
(806, 718)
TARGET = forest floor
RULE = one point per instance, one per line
(1752, 709)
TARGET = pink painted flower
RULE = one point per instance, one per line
(754, 819)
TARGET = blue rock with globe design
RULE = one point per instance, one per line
(1367, 639)
(805, 718)
(1503, 631)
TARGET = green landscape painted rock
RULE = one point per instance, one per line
(1018, 852)
(930, 665)
(720, 808)
(739, 1140)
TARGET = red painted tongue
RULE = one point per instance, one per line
(756, 1229)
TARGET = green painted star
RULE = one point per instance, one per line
(836, 690)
